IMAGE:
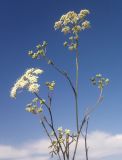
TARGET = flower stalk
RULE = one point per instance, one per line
(76, 98)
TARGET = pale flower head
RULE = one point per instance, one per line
(29, 71)
(73, 23)
(66, 30)
(50, 85)
(85, 25)
(58, 25)
(76, 29)
(71, 14)
(33, 79)
(67, 131)
(13, 92)
(83, 13)
(60, 129)
(38, 71)
(66, 21)
(29, 81)
(63, 17)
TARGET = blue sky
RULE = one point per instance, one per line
(23, 25)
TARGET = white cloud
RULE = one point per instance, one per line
(101, 146)
(36, 150)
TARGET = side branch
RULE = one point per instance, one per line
(85, 137)
(62, 72)
(51, 124)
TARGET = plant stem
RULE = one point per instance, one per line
(52, 124)
(76, 98)
(85, 119)
(46, 130)
(49, 135)
(99, 100)
(82, 124)
(62, 72)
(76, 106)
(86, 147)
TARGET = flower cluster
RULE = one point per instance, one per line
(35, 106)
(28, 80)
(61, 131)
(64, 137)
(73, 23)
(50, 85)
(99, 81)
(40, 51)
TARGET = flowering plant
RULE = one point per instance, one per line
(61, 140)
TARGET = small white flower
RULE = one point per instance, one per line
(67, 131)
(85, 24)
(60, 129)
(38, 71)
(29, 71)
(13, 92)
(84, 11)
(66, 30)
(58, 25)
(33, 88)
(32, 79)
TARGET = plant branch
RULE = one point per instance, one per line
(46, 130)
(85, 138)
(62, 72)
(86, 116)
(52, 124)
(49, 136)
(99, 100)
(77, 139)
(76, 97)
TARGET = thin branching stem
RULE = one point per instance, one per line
(85, 138)
(67, 146)
(99, 100)
(46, 130)
(51, 125)
(86, 116)
(62, 72)
(44, 126)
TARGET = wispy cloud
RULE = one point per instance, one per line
(36, 150)
(101, 145)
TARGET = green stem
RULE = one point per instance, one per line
(76, 145)
(85, 138)
(85, 119)
(76, 97)
(76, 102)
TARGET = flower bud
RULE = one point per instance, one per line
(30, 53)
(107, 81)
(40, 110)
(65, 44)
(38, 46)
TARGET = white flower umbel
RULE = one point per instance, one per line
(28, 80)
(70, 20)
